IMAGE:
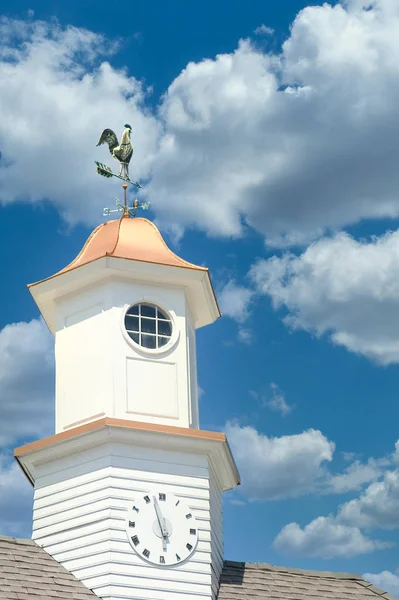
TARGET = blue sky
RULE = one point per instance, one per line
(267, 142)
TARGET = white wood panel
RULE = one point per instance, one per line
(116, 592)
(129, 560)
(148, 584)
(89, 462)
(80, 520)
(217, 550)
(91, 343)
(161, 576)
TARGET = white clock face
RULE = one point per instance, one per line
(161, 528)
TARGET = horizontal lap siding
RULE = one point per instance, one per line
(79, 518)
(216, 531)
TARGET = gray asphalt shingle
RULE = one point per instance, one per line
(241, 581)
(27, 572)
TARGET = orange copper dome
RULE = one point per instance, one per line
(134, 239)
(128, 239)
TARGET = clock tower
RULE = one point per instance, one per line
(127, 492)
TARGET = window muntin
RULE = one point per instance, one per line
(148, 326)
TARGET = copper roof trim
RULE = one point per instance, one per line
(121, 423)
(134, 239)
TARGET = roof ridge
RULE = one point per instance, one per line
(13, 540)
(378, 591)
(294, 571)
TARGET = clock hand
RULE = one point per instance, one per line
(162, 523)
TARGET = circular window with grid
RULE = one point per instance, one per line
(148, 325)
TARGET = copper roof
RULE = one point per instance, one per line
(127, 424)
(132, 238)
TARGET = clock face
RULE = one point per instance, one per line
(161, 528)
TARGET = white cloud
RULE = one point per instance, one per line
(282, 467)
(341, 287)
(55, 99)
(235, 300)
(356, 475)
(273, 399)
(245, 335)
(386, 581)
(325, 538)
(377, 506)
(26, 382)
(293, 143)
(264, 30)
(277, 402)
(16, 496)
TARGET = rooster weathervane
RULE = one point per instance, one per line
(121, 151)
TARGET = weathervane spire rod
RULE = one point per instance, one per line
(125, 210)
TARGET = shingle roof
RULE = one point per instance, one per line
(244, 581)
(27, 572)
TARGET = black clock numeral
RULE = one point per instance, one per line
(162, 497)
(162, 560)
(178, 557)
(135, 540)
(189, 516)
(146, 553)
(193, 532)
(136, 509)
(177, 503)
(189, 547)
(147, 499)
(132, 524)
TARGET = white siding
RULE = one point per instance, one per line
(79, 518)
(216, 531)
(99, 371)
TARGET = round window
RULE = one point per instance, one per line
(148, 325)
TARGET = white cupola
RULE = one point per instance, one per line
(124, 315)
(128, 491)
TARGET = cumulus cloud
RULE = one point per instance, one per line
(245, 335)
(274, 399)
(264, 30)
(356, 475)
(325, 538)
(277, 402)
(282, 467)
(16, 497)
(234, 300)
(26, 382)
(341, 287)
(377, 506)
(291, 143)
(387, 581)
(57, 93)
